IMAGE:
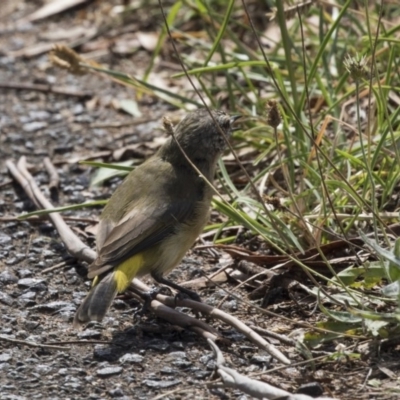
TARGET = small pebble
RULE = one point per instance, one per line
(7, 277)
(160, 384)
(108, 371)
(131, 358)
(4, 357)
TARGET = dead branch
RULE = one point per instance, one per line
(228, 319)
(282, 338)
(185, 321)
(232, 379)
(44, 88)
(74, 245)
(53, 174)
(257, 389)
(32, 344)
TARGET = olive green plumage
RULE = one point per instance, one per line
(157, 213)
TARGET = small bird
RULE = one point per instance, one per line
(157, 213)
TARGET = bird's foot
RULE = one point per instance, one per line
(148, 297)
(187, 294)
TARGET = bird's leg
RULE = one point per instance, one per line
(148, 297)
(190, 293)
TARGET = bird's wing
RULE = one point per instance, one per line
(139, 230)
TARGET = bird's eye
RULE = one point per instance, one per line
(225, 123)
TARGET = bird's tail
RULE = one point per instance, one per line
(104, 290)
(98, 301)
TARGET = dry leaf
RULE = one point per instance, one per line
(148, 40)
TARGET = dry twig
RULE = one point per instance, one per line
(53, 174)
(228, 319)
(232, 379)
(32, 344)
(256, 389)
(44, 88)
(74, 245)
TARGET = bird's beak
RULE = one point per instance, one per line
(234, 118)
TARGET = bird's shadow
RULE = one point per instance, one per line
(151, 335)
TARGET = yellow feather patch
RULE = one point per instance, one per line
(127, 270)
(95, 281)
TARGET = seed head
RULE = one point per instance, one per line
(357, 67)
(273, 115)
